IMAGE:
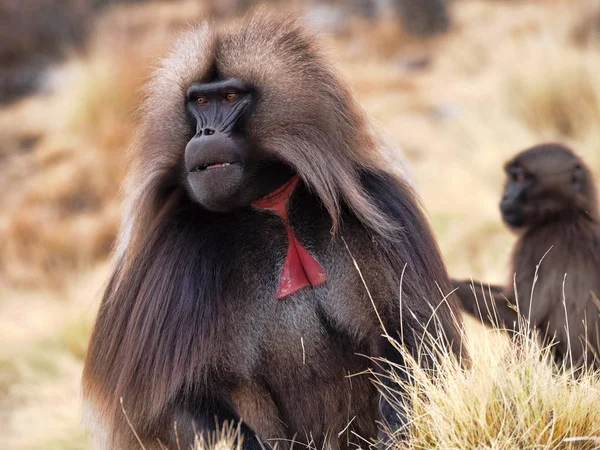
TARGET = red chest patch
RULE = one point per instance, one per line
(300, 269)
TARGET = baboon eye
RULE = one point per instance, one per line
(518, 176)
(231, 96)
(577, 176)
(202, 100)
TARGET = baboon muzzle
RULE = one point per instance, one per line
(210, 149)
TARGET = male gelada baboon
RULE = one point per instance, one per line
(550, 201)
(256, 180)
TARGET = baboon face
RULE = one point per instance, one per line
(234, 111)
(224, 167)
(544, 183)
(513, 201)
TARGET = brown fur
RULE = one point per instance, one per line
(189, 330)
(560, 214)
(278, 56)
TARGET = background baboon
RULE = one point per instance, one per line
(235, 296)
(550, 201)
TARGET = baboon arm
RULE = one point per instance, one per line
(487, 302)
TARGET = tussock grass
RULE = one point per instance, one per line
(511, 398)
(65, 215)
(560, 97)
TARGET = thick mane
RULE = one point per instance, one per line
(192, 329)
(328, 147)
(148, 310)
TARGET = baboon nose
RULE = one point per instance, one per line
(209, 131)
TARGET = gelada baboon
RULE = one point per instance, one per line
(256, 184)
(550, 201)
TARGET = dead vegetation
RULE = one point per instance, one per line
(61, 203)
(562, 98)
(509, 399)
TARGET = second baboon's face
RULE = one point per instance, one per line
(545, 183)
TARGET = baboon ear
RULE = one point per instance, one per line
(577, 178)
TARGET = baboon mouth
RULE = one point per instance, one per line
(513, 220)
(212, 166)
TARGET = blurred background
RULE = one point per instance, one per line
(461, 85)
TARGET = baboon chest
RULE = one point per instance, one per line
(308, 375)
(300, 356)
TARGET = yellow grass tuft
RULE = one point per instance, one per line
(511, 398)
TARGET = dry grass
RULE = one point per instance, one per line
(65, 214)
(508, 75)
(43, 337)
(562, 98)
(509, 399)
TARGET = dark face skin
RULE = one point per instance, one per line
(224, 169)
(544, 184)
(515, 192)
